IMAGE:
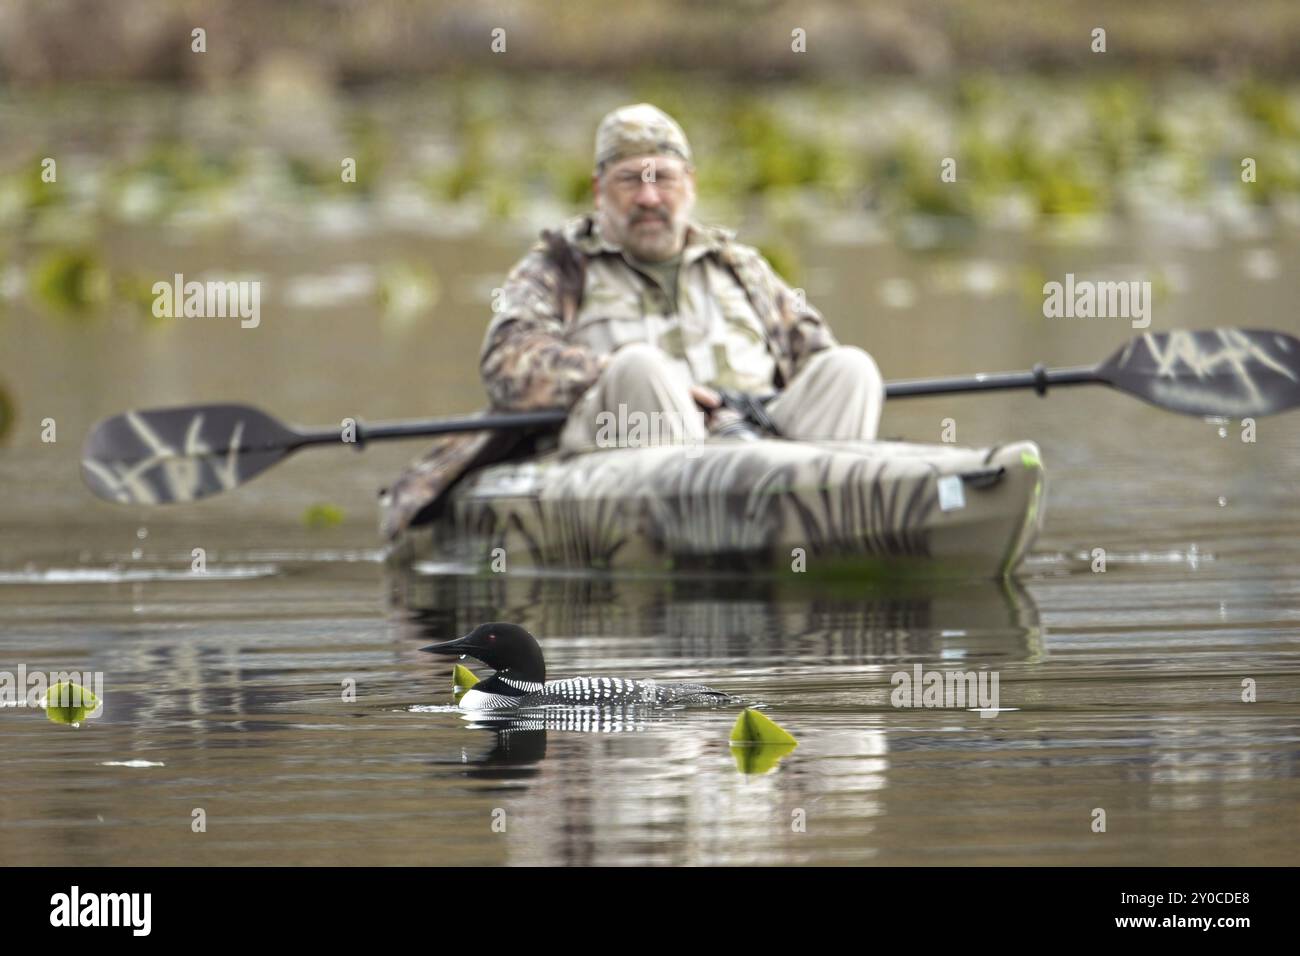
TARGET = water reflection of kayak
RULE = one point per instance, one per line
(860, 509)
(731, 618)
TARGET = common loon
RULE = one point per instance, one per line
(520, 678)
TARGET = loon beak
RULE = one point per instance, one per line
(455, 647)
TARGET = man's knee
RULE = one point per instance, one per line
(848, 361)
(637, 360)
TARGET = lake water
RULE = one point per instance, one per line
(224, 693)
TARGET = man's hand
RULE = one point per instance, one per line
(706, 397)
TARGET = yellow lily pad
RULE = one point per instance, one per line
(462, 679)
(318, 517)
(753, 727)
(70, 281)
(759, 758)
(69, 703)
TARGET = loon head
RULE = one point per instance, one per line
(507, 648)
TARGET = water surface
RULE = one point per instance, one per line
(225, 692)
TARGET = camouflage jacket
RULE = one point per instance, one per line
(574, 298)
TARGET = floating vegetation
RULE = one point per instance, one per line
(320, 516)
(406, 292)
(1027, 151)
(768, 157)
(70, 280)
(462, 679)
(70, 704)
(758, 743)
(370, 146)
(502, 200)
(1271, 108)
(183, 167)
(310, 172)
(1063, 191)
(1277, 176)
(755, 727)
(461, 181)
(910, 175)
(572, 182)
(31, 189)
(8, 414)
(137, 291)
(468, 173)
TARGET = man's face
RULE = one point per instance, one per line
(644, 204)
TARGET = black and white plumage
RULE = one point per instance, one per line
(520, 678)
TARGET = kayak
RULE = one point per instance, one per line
(874, 509)
(827, 509)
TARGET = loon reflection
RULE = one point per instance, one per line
(519, 738)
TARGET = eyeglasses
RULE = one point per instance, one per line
(630, 181)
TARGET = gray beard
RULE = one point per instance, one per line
(666, 245)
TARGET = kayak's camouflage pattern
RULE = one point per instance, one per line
(874, 508)
(419, 489)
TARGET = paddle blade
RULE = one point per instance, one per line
(167, 455)
(1233, 373)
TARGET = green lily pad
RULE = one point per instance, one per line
(7, 413)
(79, 703)
(72, 281)
(759, 758)
(753, 727)
(320, 516)
(407, 292)
(462, 679)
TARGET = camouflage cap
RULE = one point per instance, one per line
(640, 130)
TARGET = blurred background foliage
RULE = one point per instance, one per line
(451, 137)
(363, 41)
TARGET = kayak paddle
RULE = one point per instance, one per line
(1228, 373)
(167, 455)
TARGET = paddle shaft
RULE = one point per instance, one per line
(1038, 378)
(441, 426)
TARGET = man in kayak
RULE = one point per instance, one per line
(636, 307)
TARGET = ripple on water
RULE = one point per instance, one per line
(116, 575)
(428, 709)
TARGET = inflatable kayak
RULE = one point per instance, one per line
(875, 509)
